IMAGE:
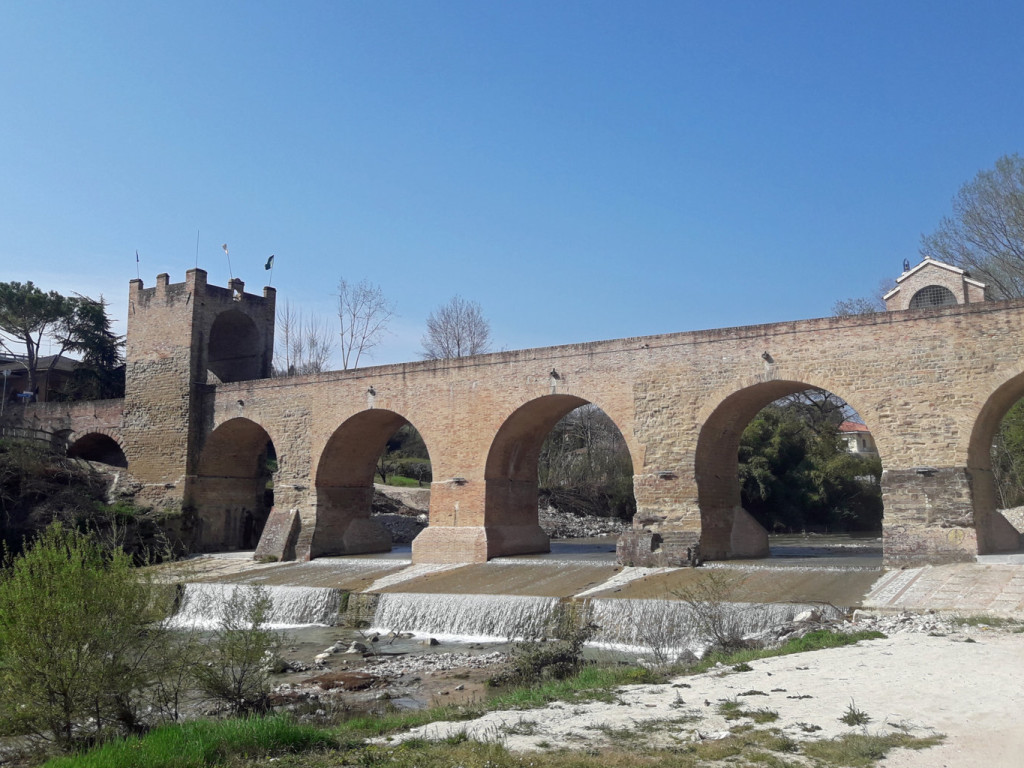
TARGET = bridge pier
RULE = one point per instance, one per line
(343, 525)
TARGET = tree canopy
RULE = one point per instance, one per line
(77, 324)
(985, 233)
(456, 329)
(795, 473)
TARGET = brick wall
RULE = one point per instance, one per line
(932, 385)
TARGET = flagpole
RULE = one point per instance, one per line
(270, 265)
(137, 273)
(197, 247)
(230, 273)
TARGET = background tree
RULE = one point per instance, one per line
(457, 329)
(77, 324)
(101, 374)
(864, 305)
(304, 344)
(1008, 458)
(796, 474)
(585, 466)
(363, 313)
(985, 234)
(404, 458)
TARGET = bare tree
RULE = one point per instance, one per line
(985, 234)
(862, 305)
(304, 343)
(457, 329)
(363, 313)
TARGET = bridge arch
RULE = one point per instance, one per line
(510, 474)
(230, 487)
(727, 529)
(235, 348)
(101, 445)
(344, 484)
(995, 533)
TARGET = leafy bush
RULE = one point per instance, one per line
(538, 658)
(77, 643)
(238, 664)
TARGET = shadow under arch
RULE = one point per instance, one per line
(235, 348)
(229, 491)
(994, 532)
(344, 485)
(727, 529)
(99, 447)
(510, 475)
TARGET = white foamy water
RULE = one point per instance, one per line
(668, 628)
(466, 618)
(202, 606)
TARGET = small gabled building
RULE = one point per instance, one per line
(933, 284)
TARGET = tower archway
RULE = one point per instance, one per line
(235, 349)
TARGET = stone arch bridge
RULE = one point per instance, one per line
(201, 408)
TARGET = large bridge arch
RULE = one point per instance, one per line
(343, 482)
(510, 476)
(995, 533)
(727, 530)
(229, 489)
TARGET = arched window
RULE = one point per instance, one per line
(932, 296)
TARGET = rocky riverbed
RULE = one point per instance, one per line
(404, 513)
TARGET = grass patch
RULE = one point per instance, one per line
(401, 481)
(982, 620)
(812, 641)
(592, 683)
(204, 743)
(860, 749)
(733, 710)
(854, 716)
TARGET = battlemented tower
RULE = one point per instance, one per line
(182, 338)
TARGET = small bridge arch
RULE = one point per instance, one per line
(101, 445)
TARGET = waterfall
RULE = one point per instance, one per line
(202, 606)
(476, 618)
(666, 628)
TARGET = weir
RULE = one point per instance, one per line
(203, 606)
(465, 618)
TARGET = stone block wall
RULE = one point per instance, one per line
(931, 385)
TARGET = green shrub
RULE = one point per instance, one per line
(238, 664)
(204, 743)
(536, 659)
(77, 643)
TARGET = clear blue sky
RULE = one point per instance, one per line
(583, 170)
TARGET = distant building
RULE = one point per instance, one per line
(52, 375)
(857, 437)
(933, 284)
